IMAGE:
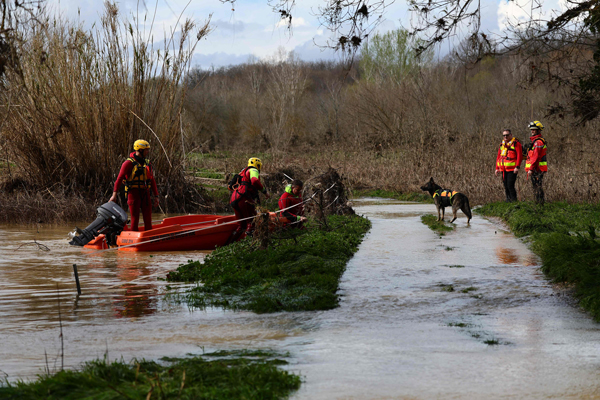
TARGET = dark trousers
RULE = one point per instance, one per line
(509, 179)
(537, 178)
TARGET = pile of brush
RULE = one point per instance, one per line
(329, 195)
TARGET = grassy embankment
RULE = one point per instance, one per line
(299, 271)
(220, 375)
(565, 237)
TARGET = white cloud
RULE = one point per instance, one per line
(514, 12)
(296, 22)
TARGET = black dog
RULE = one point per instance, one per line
(444, 198)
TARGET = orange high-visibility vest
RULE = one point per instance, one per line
(536, 159)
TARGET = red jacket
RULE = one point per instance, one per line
(125, 174)
(536, 156)
(249, 186)
(288, 199)
(510, 155)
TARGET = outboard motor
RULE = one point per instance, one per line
(111, 221)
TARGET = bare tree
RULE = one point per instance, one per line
(349, 21)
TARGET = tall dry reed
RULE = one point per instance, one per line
(77, 100)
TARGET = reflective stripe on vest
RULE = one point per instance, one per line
(543, 163)
(508, 155)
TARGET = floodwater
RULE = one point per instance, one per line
(464, 316)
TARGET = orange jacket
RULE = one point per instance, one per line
(536, 156)
(510, 155)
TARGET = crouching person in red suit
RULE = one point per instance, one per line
(292, 205)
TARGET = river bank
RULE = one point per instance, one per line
(220, 375)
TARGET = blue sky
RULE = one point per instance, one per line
(252, 29)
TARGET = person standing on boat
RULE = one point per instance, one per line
(137, 175)
(291, 203)
(245, 186)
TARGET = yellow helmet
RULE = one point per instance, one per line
(255, 162)
(536, 125)
(141, 145)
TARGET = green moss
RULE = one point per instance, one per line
(222, 375)
(565, 237)
(437, 226)
(389, 194)
(297, 273)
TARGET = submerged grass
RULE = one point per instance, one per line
(565, 237)
(297, 272)
(221, 375)
(437, 226)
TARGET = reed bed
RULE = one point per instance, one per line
(77, 100)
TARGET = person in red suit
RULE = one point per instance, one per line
(536, 164)
(137, 175)
(245, 187)
(291, 203)
(508, 161)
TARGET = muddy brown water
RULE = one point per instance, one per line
(466, 315)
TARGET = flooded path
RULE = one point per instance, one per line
(467, 315)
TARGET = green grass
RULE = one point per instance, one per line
(222, 375)
(389, 194)
(206, 173)
(565, 237)
(447, 288)
(437, 226)
(294, 274)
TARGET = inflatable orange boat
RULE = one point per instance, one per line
(187, 232)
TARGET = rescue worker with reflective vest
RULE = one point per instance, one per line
(508, 161)
(137, 175)
(291, 204)
(536, 164)
(246, 186)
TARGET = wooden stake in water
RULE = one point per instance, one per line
(77, 279)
